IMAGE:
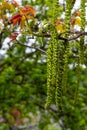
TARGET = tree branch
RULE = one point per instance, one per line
(79, 34)
(32, 47)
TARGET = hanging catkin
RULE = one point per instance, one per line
(69, 6)
(77, 71)
(59, 74)
(61, 81)
(52, 57)
(82, 29)
(80, 59)
(57, 57)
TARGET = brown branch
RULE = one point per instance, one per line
(42, 35)
(45, 34)
(79, 34)
(32, 47)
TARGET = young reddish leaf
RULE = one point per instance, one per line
(72, 22)
(78, 13)
(23, 16)
(28, 10)
(16, 19)
(15, 16)
(13, 36)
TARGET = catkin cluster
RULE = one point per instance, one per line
(56, 63)
(58, 55)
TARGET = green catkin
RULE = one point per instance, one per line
(60, 64)
(69, 6)
(65, 67)
(80, 59)
(49, 75)
(51, 67)
(62, 73)
(83, 14)
(52, 57)
(58, 51)
(55, 41)
(66, 44)
(77, 81)
(57, 58)
(85, 53)
(82, 29)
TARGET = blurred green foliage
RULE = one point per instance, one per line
(23, 85)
